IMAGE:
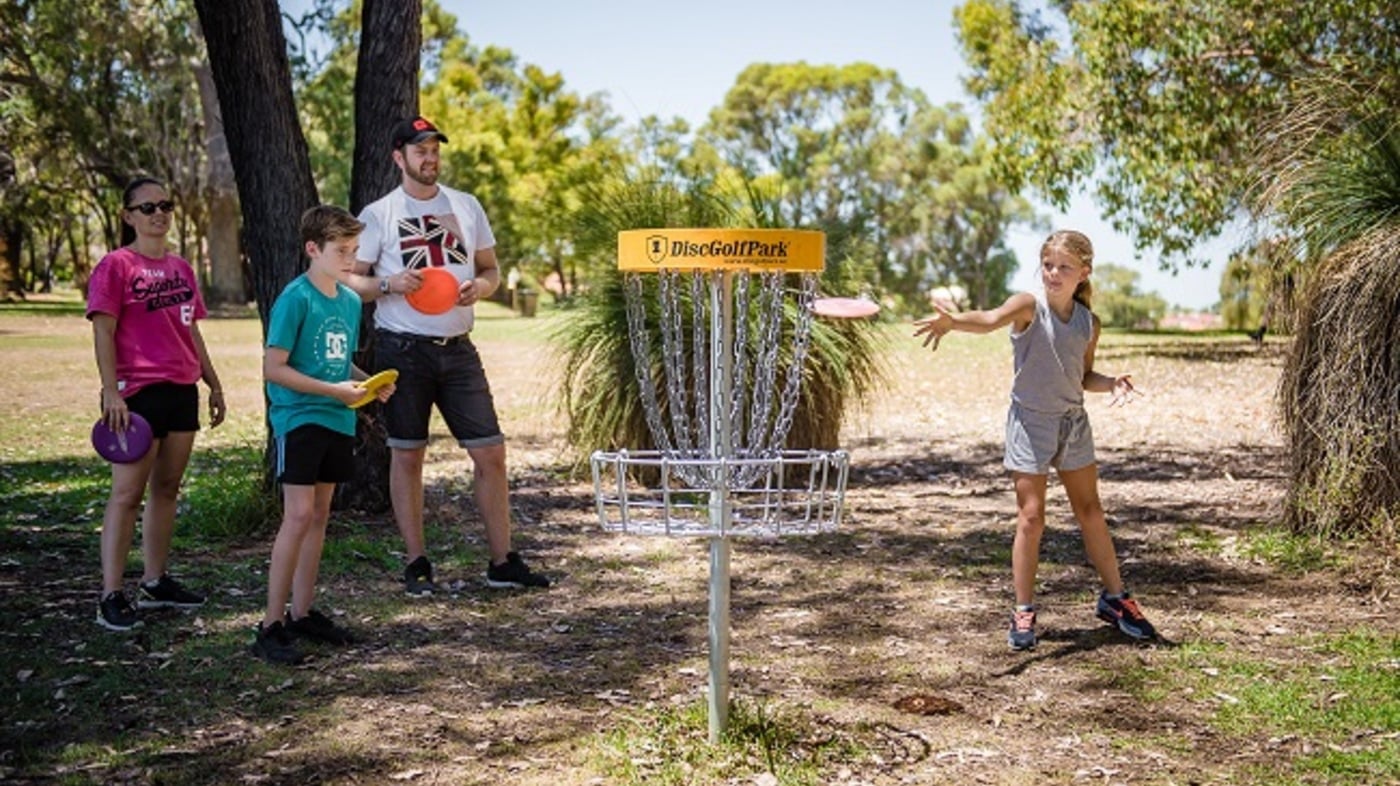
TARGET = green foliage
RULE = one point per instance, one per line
(526, 146)
(91, 94)
(1118, 302)
(901, 188)
(223, 497)
(1161, 103)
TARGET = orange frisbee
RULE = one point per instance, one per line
(438, 294)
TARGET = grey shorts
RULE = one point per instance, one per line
(1037, 441)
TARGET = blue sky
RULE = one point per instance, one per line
(668, 58)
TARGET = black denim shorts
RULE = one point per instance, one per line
(446, 373)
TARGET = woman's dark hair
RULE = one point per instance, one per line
(128, 231)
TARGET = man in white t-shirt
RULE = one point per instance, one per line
(417, 226)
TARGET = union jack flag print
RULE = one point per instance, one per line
(426, 242)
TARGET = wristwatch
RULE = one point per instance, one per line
(384, 285)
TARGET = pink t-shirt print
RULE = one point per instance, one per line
(155, 303)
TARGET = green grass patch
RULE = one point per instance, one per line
(1292, 553)
(1197, 538)
(669, 746)
(1341, 696)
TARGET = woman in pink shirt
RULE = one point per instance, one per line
(144, 304)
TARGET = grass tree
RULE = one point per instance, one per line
(601, 395)
(1334, 176)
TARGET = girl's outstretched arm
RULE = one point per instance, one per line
(1018, 310)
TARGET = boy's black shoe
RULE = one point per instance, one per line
(418, 578)
(167, 593)
(1124, 614)
(115, 612)
(1022, 634)
(513, 573)
(274, 645)
(318, 626)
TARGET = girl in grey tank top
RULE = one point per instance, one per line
(1053, 338)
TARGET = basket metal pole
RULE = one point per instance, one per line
(721, 439)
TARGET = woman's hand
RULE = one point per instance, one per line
(217, 409)
(114, 411)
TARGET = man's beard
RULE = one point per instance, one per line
(417, 176)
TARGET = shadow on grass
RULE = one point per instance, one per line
(182, 700)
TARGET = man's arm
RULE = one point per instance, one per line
(371, 287)
(487, 281)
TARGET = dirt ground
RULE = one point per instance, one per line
(888, 634)
(905, 607)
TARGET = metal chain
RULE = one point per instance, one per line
(801, 341)
(673, 349)
(766, 361)
(740, 381)
(640, 339)
(701, 361)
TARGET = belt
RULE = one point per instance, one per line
(440, 341)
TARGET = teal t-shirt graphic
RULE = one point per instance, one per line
(320, 335)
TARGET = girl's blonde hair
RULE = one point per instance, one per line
(1075, 244)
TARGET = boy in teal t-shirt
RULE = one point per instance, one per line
(311, 383)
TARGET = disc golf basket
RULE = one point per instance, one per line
(716, 405)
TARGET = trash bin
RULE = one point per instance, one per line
(526, 301)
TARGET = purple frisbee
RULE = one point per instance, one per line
(122, 447)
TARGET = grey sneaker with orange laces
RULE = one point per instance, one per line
(1123, 613)
(1022, 634)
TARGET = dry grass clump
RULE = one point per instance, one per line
(1340, 393)
(1331, 169)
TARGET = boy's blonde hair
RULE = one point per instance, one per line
(325, 223)
(1077, 245)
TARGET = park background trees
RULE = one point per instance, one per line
(1167, 113)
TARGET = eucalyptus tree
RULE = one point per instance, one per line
(92, 93)
(526, 145)
(1156, 107)
(900, 186)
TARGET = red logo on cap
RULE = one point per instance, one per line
(420, 124)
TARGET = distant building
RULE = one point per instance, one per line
(1192, 320)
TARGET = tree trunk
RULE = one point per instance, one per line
(386, 91)
(11, 240)
(253, 79)
(225, 256)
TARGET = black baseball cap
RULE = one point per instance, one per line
(415, 130)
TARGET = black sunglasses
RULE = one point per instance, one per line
(147, 208)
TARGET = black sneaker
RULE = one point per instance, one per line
(1022, 634)
(1124, 614)
(318, 626)
(115, 612)
(418, 578)
(167, 593)
(274, 645)
(513, 573)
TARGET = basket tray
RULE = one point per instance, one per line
(795, 493)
